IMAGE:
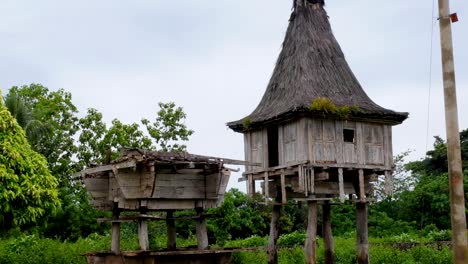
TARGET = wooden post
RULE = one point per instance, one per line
(283, 188)
(171, 230)
(250, 185)
(143, 234)
(311, 238)
(457, 199)
(274, 228)
(362, 233)
(266, 186)
(115, 247)
(202, 235)
(362, 186)
(327, 234)
(341, 184)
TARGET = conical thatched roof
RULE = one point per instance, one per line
(312, 68)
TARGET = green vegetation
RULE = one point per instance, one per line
(246, 122)
(326, 106)
(28, 191)
(69, 144)
(32, 249)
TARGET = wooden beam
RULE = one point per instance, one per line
(202, 235)
(266, 186)
(327, 234)
(171, 230)
(311, 238)
(362, 233)
(341, 185)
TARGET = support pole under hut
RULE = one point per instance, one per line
(319, 137)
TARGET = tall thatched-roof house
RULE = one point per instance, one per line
(316, 132)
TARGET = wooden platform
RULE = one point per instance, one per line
(182, 256)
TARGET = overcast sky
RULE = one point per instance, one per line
(214, 58)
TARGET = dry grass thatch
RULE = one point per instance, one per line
(312, 65)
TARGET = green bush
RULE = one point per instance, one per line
(292, 239)
(442, 235)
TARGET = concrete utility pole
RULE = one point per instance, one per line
(457, 199)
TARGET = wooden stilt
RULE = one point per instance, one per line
(283, 188)
(362, 186)
(115, 247)
(341, 184)
(202, 235)
(327, 234)
(266, 186)
(274, 228)
(311, 239)
(143, 234)
(171, 230)
(362, 233)
(251, 185)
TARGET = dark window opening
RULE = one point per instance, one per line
(273, 152)
(348, 135)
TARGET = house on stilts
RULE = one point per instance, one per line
(316, 132)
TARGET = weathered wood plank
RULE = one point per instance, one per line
(360, 144)
(339, 141)
(247, 150)
(281, 157)
(266, 186)
(290, 142)
(302, 142)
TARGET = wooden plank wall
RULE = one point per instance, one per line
(322, 141)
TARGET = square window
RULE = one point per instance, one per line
(348, 135)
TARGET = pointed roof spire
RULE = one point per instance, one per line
(310, 68)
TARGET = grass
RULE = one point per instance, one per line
(32, 249)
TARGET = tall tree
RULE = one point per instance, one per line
(28, 191)
(168, 129)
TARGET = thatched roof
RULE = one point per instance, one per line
(312, 66)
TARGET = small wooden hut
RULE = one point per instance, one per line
(316, 132)
(144, 181)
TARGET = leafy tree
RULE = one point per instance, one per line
(96, 140)
(168, 128)
(34, 128)
(54, 108)
(28, 191)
